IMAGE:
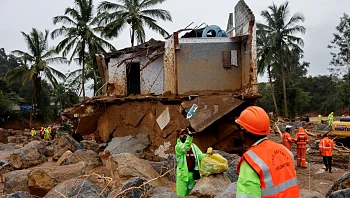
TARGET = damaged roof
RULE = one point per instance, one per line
(150, 46)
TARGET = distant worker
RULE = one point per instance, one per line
(42, 132)
(47, 134)
(319, 119)
(286, 138)
(188, 157)
(267, 168)
(343, 116)
(301, 139)
(33, 132)
(330, 119)
(307, 119)
(326, 147)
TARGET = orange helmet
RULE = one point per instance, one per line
(301, 130)
(255, 120)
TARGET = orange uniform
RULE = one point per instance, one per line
(326, 147)
(287, 140)
(301, 139)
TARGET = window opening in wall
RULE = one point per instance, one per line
(133, 78)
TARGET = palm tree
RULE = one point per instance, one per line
(281, 30)
(34, 63)
(265, 54)
(80, 34)
(136, 13)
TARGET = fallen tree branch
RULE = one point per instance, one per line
(60, 193)
(309, 133)
(98, 177)
(139, 187)
(337, 183)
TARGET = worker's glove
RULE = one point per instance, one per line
(210, 151)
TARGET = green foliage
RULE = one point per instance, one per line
(5, 104)
(65, 96)
(138, 14)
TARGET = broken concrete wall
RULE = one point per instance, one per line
(151, 74)
(200, 65)
(245, 25)
(170, 69)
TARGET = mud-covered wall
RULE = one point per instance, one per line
(151, 77)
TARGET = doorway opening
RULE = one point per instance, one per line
(133, 78)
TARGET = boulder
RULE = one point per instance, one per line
(171, 164)
(74, 188)
(18, 139)
(49, 152)
(124, 166)
(231, 173)
(129, 144)
(135, 182)
(228, 192)
(30, 155)
(162, 192)
(210, 186)
(9, 146)
(160, 167)
(310, 194)
(90, 145)
(41, 181)
(3, 136)
(63, 157)
(64, 142)
(341, 193)
(18, 195)
(91, 158)
(16, 181)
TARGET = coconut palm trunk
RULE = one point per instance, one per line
(272, 91)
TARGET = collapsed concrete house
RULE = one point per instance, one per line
(150, 87)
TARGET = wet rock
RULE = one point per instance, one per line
(160, 167)
(310, 194)
(63, 157)
(341, 193)
(231, 173)
(30, 155)
(18, 195)
(126, 165)
(64, 142)
(210, 186)
(129, 144)
(41, 181)
(135, 182)
(91, 158)
(16, 181)
(228, 192)
(74, 188)
(90, 145)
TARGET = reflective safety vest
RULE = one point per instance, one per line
(302, 138)
(326, 146)
(275, 166)
(286, 140)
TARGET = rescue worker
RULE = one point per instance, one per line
(47, 134)
(319, 119)
(33, 132)
(326, 148)
(301, 139)
(330, 119)
(287, 138)
(42, 132)
(267, 168)
(188, 157)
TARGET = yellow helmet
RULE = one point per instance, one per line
(332, 113)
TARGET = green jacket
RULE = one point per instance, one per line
(32, 132)
(47, 134)
(181, 150)
(319, 117)
(248, 184)
(330, 117)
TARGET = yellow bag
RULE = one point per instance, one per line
(213, 163)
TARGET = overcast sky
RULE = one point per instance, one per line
(322, 16)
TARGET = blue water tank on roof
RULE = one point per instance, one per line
(213, 31)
